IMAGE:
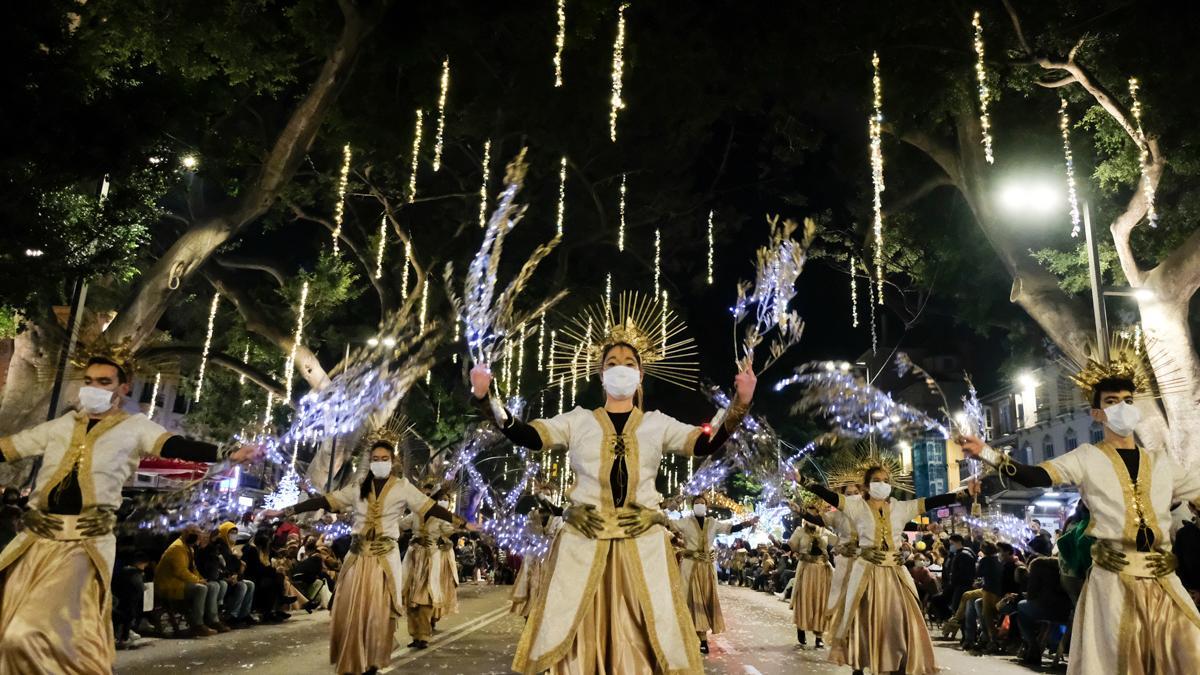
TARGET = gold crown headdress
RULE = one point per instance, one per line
(392, 432)
(100, 347)
(848, 466)
(1131, 356)
(643, 321)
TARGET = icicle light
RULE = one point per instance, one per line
(854, 291)
(621, 226)
(407, 270)
(562, 196)
(520, 363)
(382, 245)
(657, 261)
(663, 326)
(483, 189)
(875, 127)
(560, 41)
(424, 315)
(985, 96)
(416, 157)
(290, 366)
(874, 329)
(1064, 124)
(608, 293)
(1143, 152)
(267, 412)
(615, 104)
(441, 121)
(212, 315)
(154, 395)
(245, 361)
(710, 248)
(339, 208)
(541, 361)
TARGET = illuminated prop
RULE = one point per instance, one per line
(985, 95)
(339, 207)
(1143, 153)
(875, 131)
(616, 104)
(416, 157)
(778, 268)
(1064, 125)
(212, 315)
(441, 121)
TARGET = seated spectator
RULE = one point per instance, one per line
(178, 583)
(313, 578)
(217, 562)
(1187, 551)
(1045, 601)
(128, 589)
(958, 577)
(926, 585)
(268, 582)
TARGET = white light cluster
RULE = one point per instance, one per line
(154, 395)
(483, 188)
(875, 129)
(1064, 125)
(985, 95)
(407, 270)
(621, 225)
(560, 41)
(416, 157)
(382, 245)
(441, 121)
(1143, 153)
(208, 336)
(615, 103)
(562, 196)
(711, 240)
(339, 208)
(657, 261)
(290, 366)
(854, 291)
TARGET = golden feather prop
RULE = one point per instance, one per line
(847, 465)
(1131, 356)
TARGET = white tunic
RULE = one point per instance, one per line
(106, 456)
(577, 562)
(697, 539)
(843, 527)
(381, 517)
(434, 529)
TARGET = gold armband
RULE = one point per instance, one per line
(734, 415)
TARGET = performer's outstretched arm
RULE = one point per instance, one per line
(1026, 475)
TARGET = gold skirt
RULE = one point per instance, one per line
(55, 615)
(529, 581)
(417, 576)
(887, 630)
(363, 616)
(449, 604)
(702, 599)
(613, 636)
(809, 596)
(1155, 635)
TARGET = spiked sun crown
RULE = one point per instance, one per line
(1131, 356)
(120, 353)
(848, 469)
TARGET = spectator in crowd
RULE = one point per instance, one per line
(128, 589)
(958, 577)
(1045, 601)
(1187, 551)
(465, 553)
(313, 577)
(927, 586)
(217, 562)
(178, 582)
(983, 609)
(10, 520)
(1075, 551)
(269, 593)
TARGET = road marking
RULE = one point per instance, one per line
(407, 654)
(751, 670)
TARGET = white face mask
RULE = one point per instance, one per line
(880, 490)
(95, 400)
(700, 509)
(381, 469)
(621, 382)
(444, 504)
(1122, 418)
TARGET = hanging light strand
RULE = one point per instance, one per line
(562, 196)
(621, 225)
(854, 291)
(541, 361)
(382, 245)
(416, 157)
(424, 315)
(710, 248)
(154, 395)
(657, 261)
(608, 294)
(339, 208)
(616, 104)
(985, 95)
(483, 189)
(212, 315)
(1143, 153)
(1064, 124)
(441, 121)
(290, 366)
(245, 361)
(520, 362)
(407, 270)
(560, 41)
(875, 127)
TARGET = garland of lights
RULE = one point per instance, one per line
(339, 208)
(1143, 153)
(1064, 125)
(154, 395)
(985, 95)
(212, 315)
(423, 316)
(854, 291)
(416, 156)
(560, 41)
(245, 360)
(618, 68)
(487, 160)
(541, 362)
(562, 196)
(621, 226)
(441, 122)
(710, 248)
(520, 361)
(382, 245)
(407, 270)
(874, 327)
(875, 129)
(608, 293)
(289, 367)
(267, 410)
(657, 260)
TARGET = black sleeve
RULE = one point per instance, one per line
(441, 513)
(824, 493)
(312, 505)
(938, 501)
(515, 430)
(815, 520)
(178, 447)
(709, 444)
(740, 526)
(1032, 476)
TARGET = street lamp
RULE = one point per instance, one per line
(1040, 198)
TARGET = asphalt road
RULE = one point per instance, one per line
(482, 636)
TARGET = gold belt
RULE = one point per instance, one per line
(848, 550)
(377, 546)
(611, 528)
(699, 556)
(891, 558)
(809, 558)
(71, 530)
(1139, 561)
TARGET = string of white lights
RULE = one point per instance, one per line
(483, 189)
(245, 360)
(212, 315)
(541, 361)
(441, 121)
(407, 270)
(382, 245)
(1064, 124)
(854, 290)
(608, 294)
(657, 260)
(290, 366)
(616, 104)
(154, 395)
(560, 41)
(562, 196)
(621, 226)
(710, 248)
(416, 157)
(339, 208)
(424, 314)
(520, 362)
(1143, 153)
(875, 128)
(985, 95)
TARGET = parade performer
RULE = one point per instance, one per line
(425, 586)
(544, 522)
(844, 553)
(881, 622)
(447, 563)
(814, 577)
(614, 602)
(1133, 615)
(367, 603)
(56, 610)
(697, 567)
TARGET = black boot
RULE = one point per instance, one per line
(818, 644)
(704, 646)
(801, 637)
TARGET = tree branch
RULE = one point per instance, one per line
(382, 290)
(248, 263)
(405, 238)
(236, 365)
(932, 183)
(188, 253)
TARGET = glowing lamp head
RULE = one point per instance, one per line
(190, 162)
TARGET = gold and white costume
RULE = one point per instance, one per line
(72, 634)
(612, 604)
(814, 576)
(697, 569)
(368, 600)
(424, 591)
(532, 576)
(847, 540)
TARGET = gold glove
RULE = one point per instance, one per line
(41, 523)
(584, 518)
(1108, 557)
(636, 519)
(97, 521)
(422, 540)
(875, 556)
(1162, 563)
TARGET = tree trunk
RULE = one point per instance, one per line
(1169, 343)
